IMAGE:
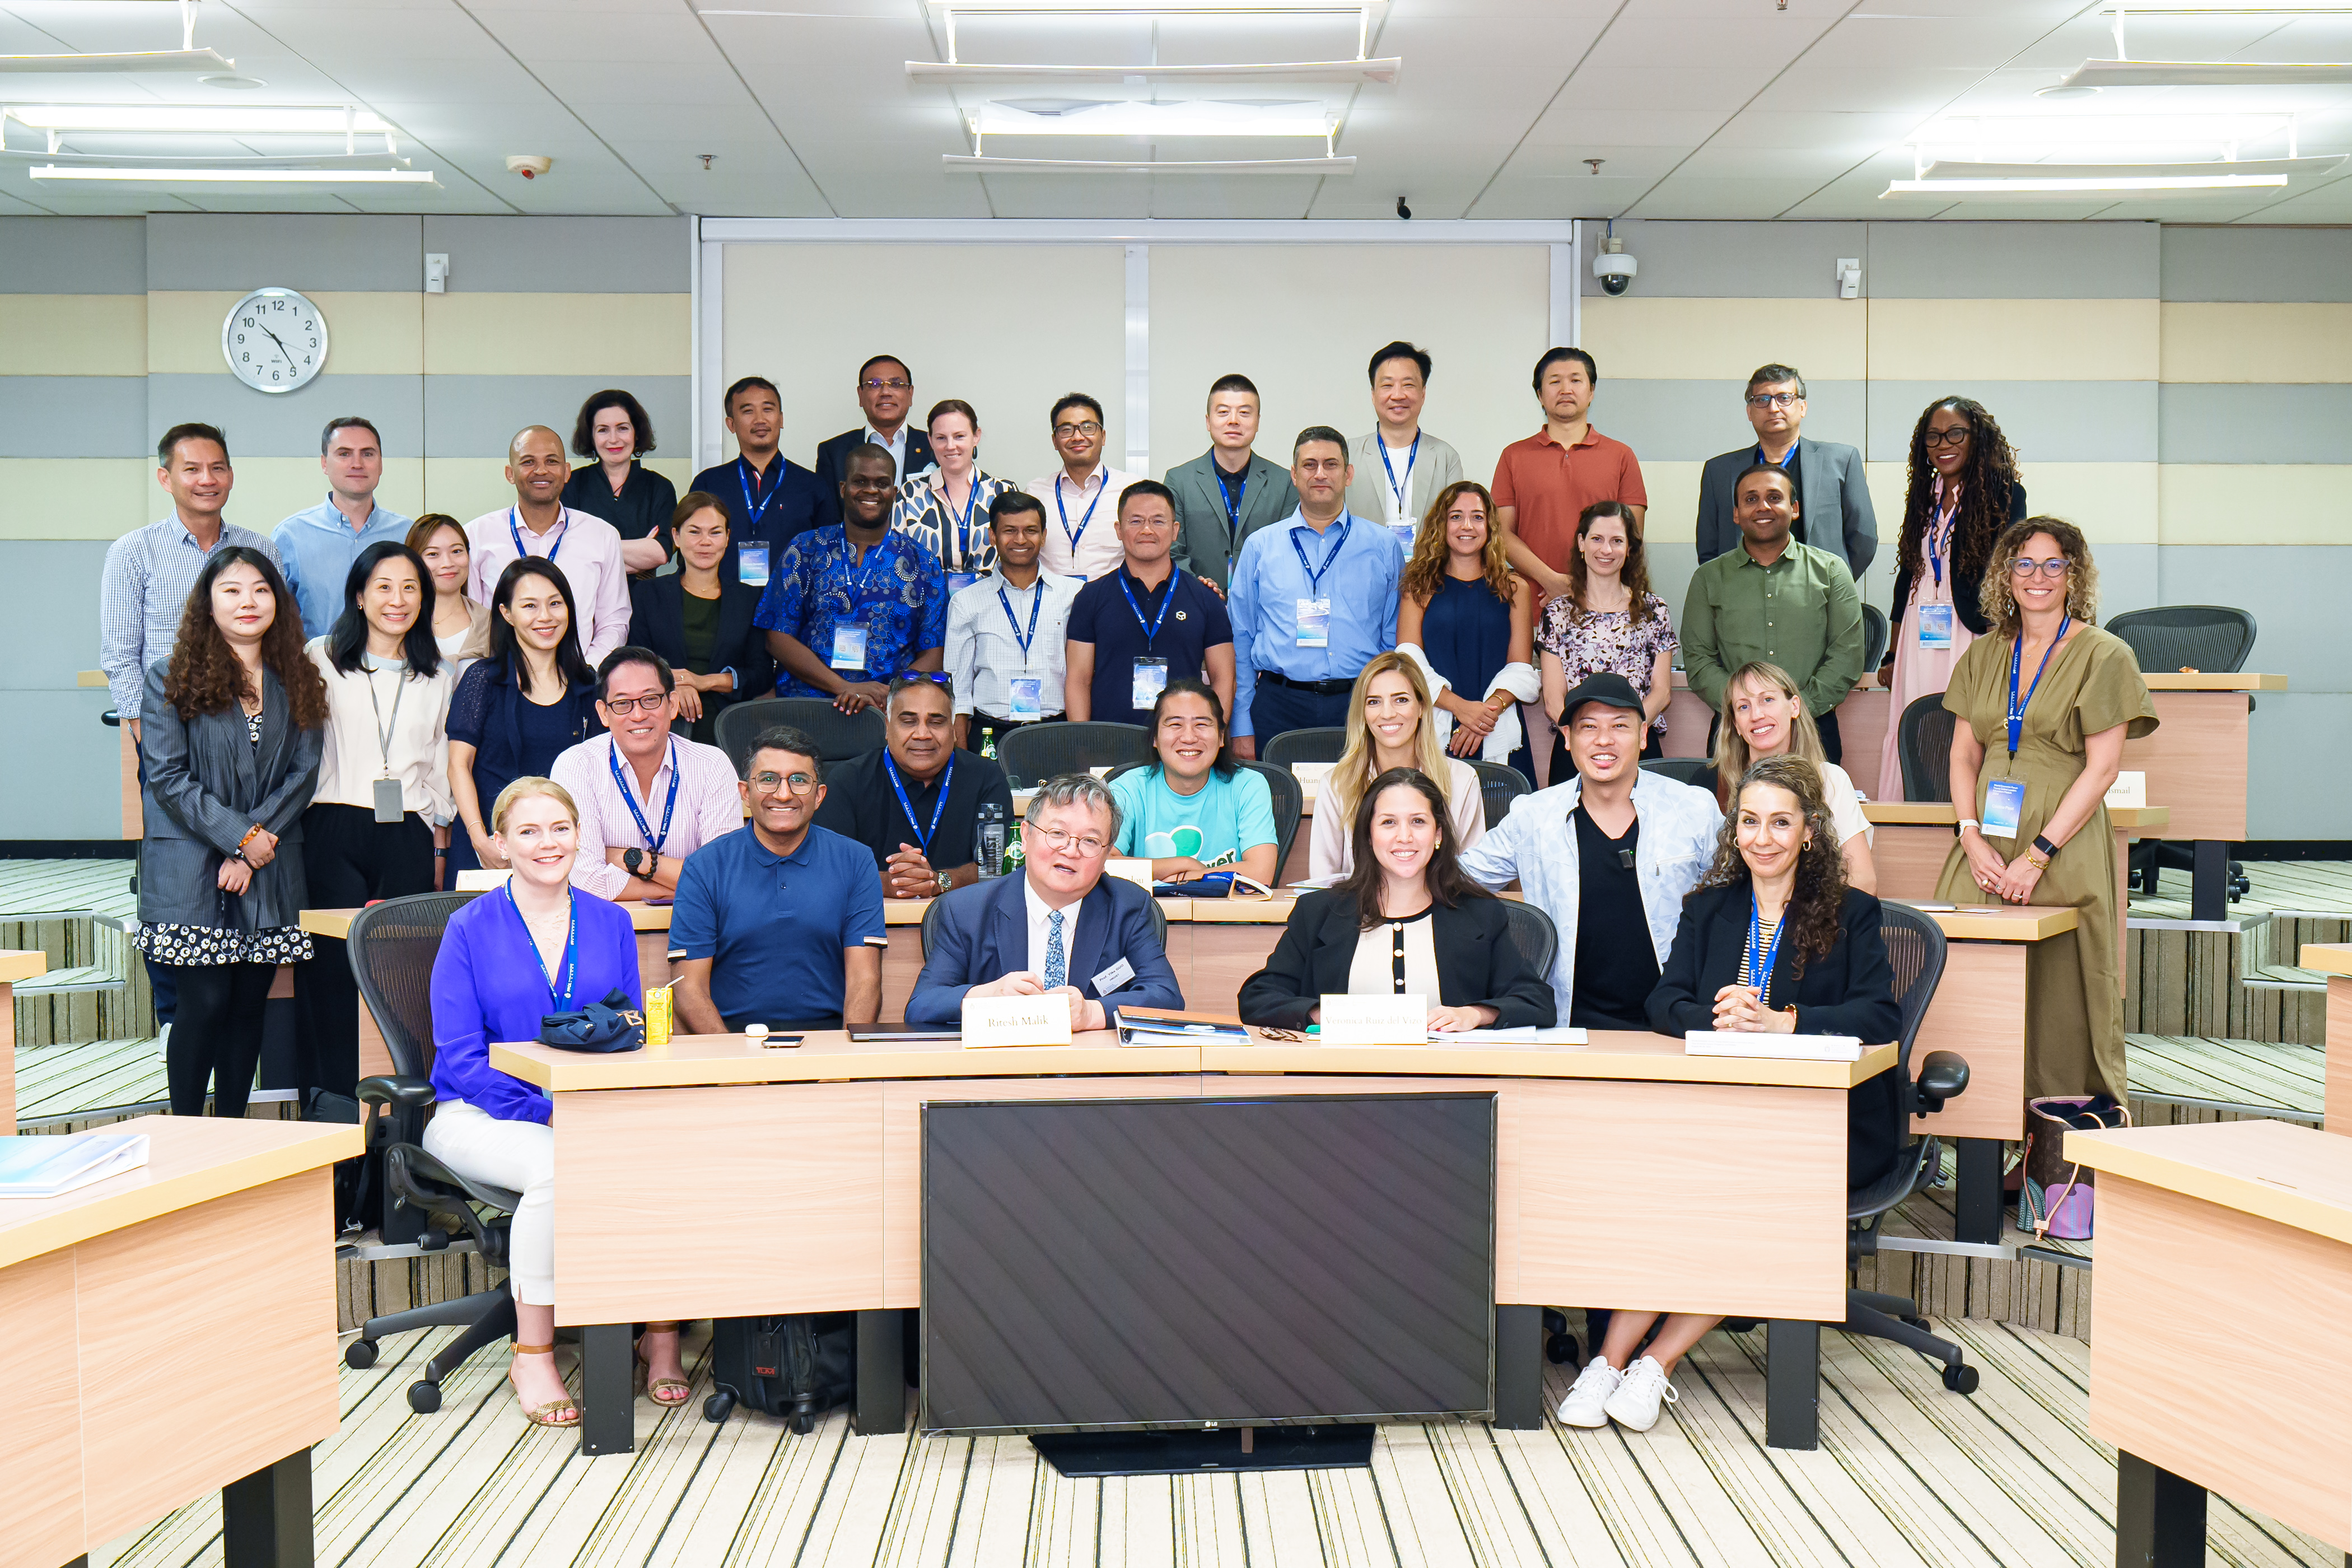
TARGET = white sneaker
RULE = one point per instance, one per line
(1640, 1396)
(1586, 1404)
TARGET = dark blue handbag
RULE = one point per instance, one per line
(611, 1024)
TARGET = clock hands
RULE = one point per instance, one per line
(282, 353)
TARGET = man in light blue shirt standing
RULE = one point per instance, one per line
(1312, 598)
(319, 544)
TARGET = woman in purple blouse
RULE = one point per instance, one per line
(536, 946)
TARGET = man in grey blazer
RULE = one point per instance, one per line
(1228, 492)
(1832, 497)
(1400, 466)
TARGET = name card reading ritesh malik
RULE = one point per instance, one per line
(992, 1021)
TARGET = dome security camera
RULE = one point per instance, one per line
(1613, 267)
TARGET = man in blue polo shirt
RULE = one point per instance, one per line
(1314, 598)
(771, 501)
(1144, 624)
(782, 925)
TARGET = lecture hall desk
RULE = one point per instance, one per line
(1628, 1173)
(15, 963)
(2334, 959)
(2219, 1356)
(169, 1331)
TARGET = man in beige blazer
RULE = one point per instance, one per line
(1400, 466)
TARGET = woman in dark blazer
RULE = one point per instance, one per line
(701, 623)
(1772, 941)
(1406, 921)
(230, 730)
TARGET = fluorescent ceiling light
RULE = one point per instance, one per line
(232, 119)
(217, 175)
(1303, 119)
(98, 65)
(960, 163)
(2206, 73)
(2103, 131)
(1156, 7)
(2044, 186)
(2227, 11)
(149, 160)
(1385, 70)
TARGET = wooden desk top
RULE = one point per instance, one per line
(2295, 1175)
(2203, 681)
(1607, 1053)
(1939, 813)
(189, 1160)
(2328, 957)
(20, 963)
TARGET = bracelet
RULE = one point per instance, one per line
(248, 837)
(440, 853)
(2047, 849)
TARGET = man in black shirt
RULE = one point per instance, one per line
(771, 501)
(1144, 623)
(915, 804)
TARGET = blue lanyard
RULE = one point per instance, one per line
(1760, 958)
(1410, 457)
(2017, 708)
(1939, 533)
(1233, 498)
(922, 838)
(560, 1000)
(1037, 603)
(747, 479)
(963, 529)
(1167, 597)
(1088, 518)
(857, 586)
(644, 830)
(515, 528)
(1315, 573)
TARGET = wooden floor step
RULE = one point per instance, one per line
(2285, 977)
(88, 977)
(2285, 1079)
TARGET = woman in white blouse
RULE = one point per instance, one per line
(945, 507)
(461, 628)
(383, 786)
(1764, 716)
(1393, 723)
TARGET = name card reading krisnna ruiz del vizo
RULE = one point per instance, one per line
(1375, 1020)
(1015, 1021)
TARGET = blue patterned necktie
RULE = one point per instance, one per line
(1057, 967)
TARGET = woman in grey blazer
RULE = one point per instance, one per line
(230, 731)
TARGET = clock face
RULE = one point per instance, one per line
(274, 339)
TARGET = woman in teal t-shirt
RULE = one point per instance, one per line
(1195, 809)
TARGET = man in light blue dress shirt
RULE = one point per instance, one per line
(317, 545)
(1312, 598)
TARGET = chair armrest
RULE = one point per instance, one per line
(1943, 1075)
(396, 1088)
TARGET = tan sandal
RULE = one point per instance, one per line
(555, 1412)
(664, 1391)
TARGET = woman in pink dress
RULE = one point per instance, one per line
(1964, 490)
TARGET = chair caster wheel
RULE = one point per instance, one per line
(360, 1354)
(425, 1398)
(718, 1407)
(1960, 1379)
(1554, 1321)
(1560, 1349)
(801, 1421)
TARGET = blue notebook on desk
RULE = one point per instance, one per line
(38, 1167)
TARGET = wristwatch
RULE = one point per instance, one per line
(640, 862)
(945, 880)
(2044, 845)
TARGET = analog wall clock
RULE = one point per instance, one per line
(274, 339)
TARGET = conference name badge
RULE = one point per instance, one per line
(1314, 623)
(1129, 869)
(959, 581)
(2004, 807)
(1935, 625)
(751, 564)
(1375, 1020)
(1111, 979)
(1028, 697)
(848, 647)
(1151, 679)
(388, 806)
(992, 1022)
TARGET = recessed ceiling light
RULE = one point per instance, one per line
(232, 82)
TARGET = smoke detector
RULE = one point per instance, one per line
(529, 165)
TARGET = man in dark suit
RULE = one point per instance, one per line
(1228, 492)
(886, 391)
(1059, 929)
(1834, 503)
(771, 501)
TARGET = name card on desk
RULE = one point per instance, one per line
(1375, 1020)
(1129, 870)
(992, 1021)
(2130, 788)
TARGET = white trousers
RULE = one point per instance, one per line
(515, 1154)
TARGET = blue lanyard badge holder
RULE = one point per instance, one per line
(1314, 614)
(1027, 693)
(2004, 803)
(1149, 677)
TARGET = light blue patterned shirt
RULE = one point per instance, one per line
(144, 587)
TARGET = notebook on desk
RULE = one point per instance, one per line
(862, 1034)
(1782, 1047)
(49, 1167)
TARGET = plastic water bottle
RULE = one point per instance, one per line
(991, 858)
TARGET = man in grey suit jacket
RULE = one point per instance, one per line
(1400, 466)
(1228, 492)
(1831, 495)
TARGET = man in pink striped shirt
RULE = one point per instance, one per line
(646, 798)
(587, 550)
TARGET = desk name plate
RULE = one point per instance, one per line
(996, 1021)
(1375, 1020)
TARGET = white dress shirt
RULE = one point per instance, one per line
(1097, 549)
(896, 445)
(1040, 926)
(709, 805)
(356, 754)
(983, 653)
(586, 549)
(1372, 970)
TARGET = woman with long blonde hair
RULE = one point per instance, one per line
(1391, 725)
(1468, 620)
(1764, 716)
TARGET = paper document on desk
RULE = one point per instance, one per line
(1160, 1027)
(38, 1167)
(1783, 1048)
(1527, 1036)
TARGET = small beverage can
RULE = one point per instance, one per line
(657, 1015)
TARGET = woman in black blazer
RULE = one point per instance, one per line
(1772, 941)
(701, 623)
(230, 729)
(1406, 921)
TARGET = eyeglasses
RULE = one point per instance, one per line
(2025, 566)
(624, 706)
(894, 385)
(1058, 840)
(770, 783)
(1085, 427)
(1772, 400)
(1957, 436)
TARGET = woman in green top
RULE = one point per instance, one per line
(2043, 704)
(1195, 809)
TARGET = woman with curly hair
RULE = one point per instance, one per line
(1964, 489)
(2043, 705)
(1467, 619)
(230, 730)
(1610, 620)
(1772, 940)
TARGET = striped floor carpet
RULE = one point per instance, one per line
(1906, 1475)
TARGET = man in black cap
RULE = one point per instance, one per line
(1608, 854)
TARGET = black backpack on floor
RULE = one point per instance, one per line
(797, 1367)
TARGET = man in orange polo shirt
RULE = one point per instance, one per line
(1543, 484)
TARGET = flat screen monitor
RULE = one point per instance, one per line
(1137, 1264)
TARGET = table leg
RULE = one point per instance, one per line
(265, 1517)
(879, 1404)
(2160, 1518)
(1518, 1368)
(608, 1387)
(1792, 1385)
(2208, 882)
(1977, 1190)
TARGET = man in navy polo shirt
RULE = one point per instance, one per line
(771, 501)
(1134, 630)
(782, 925)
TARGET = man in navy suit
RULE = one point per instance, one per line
(1060, 929)
(885, 391)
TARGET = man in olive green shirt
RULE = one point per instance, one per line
(1777, 601)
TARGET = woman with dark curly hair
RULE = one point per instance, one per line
(230, 731)
(1773, 942)
(1964, 489)
(614, 432)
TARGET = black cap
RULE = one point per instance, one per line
(1608, 687)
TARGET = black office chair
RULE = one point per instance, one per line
(1289, 805)
(1498, 786)
(1036, 752)
(1682, 770)
(1295, 746)
(1874, 636)
(2214, 638)
(393, 945)
(1537, 938)
(931, 912)
(1915, 947)
(839, 736)
(1923, 744)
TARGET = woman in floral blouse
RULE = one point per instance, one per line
(1610, 620)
